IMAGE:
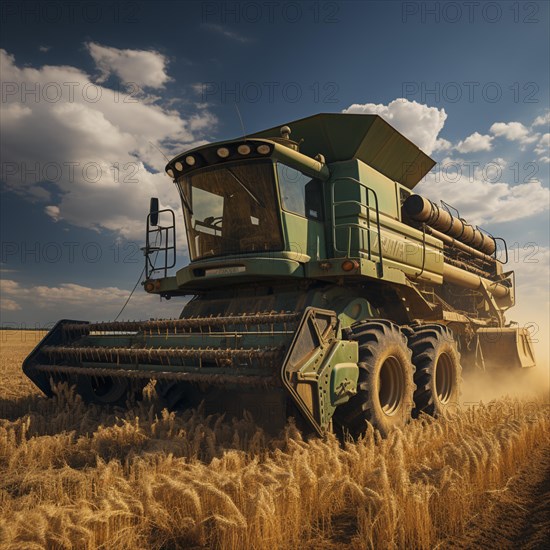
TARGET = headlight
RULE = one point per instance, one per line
(179, 166)
(223, 152)
(243, 149)
(263, 149)
(190, 160)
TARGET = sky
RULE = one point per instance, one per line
(95, 95)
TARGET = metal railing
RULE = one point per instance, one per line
(498, 250)
(361, 229)
(504, 247)
(160, 239)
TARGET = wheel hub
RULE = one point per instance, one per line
(444, 378)
(391, 386)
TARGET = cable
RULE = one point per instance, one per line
(139, 279)
(131, 293)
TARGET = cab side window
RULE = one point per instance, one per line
(300, 194)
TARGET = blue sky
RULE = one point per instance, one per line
(467, 81)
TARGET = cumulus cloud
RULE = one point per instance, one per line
(474, 143)
(418, 122)
(92, 144)
(9, 305)
(12, 112)
(442, 145)
(70, 300)
(542, 120)
(201, 121)
(543, 146)
(140, 67)
(54, 212)
(513, 131)
(7, 288)
(481, 195)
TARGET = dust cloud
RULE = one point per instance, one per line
(532, 313)
(495, 382)
(484, 386)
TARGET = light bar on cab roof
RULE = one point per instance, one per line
(215, 154)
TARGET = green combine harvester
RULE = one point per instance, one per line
(322, 288)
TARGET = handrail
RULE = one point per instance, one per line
(375, 208)
(448, 208)
(423, 252)
(496, 250)
(162, 232)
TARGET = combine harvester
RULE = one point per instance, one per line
(323, 288)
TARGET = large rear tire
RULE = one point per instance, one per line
(438, 373)
(385, 386)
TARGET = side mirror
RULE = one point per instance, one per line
(154, 211)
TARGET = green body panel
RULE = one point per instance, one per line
(333, 377)
(304, 236)
(343, 378)
(209, 273)
(356, 234)
(320, 370)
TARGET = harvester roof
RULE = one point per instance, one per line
(368, 138)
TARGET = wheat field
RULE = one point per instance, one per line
(74, 476)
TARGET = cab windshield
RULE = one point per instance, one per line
(231, 209)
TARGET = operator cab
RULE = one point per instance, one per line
(248, 197)
(231, 209)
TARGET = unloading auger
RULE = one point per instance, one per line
(322, 288)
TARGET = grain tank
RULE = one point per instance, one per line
(321, 287)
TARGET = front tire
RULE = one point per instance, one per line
(109, 390)
(385, 386)
(438, 373)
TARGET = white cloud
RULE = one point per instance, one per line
(12, 112)
(54, 212)
(44, 49)
(8, 286)
(141, 67)
(7, 304)
(482, 197)
(474, 143)
(69, 300)
(543, 146)
(419, 123)
(96, 153)
(203, 121)
(513, 131)
(542, 120)
(442, 145)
